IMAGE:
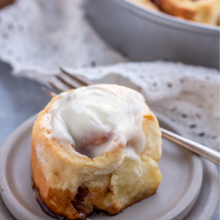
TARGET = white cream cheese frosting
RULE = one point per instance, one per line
(94, 119)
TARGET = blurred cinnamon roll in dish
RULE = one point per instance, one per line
(96, 147)
(203, 11)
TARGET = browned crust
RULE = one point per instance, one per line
(175, 9)
(147, 4)
(4, 3)
(60, 217)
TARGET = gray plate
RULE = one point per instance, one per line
(181, 170)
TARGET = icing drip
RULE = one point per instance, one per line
(98, 118)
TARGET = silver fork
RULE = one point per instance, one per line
(73, 81)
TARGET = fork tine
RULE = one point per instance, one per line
(70, 84)
(77, 78)
(55, 86)
(48, 92)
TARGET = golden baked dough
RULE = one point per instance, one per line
(203, 11)
(147, 4)
(72, 185)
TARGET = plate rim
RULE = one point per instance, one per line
(179, 210)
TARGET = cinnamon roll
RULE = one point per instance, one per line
(96, 147)
(203, 11)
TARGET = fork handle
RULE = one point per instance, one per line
(197, 148)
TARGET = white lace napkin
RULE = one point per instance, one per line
(43, 35)
(37, 37)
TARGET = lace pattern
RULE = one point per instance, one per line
(42, 36)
